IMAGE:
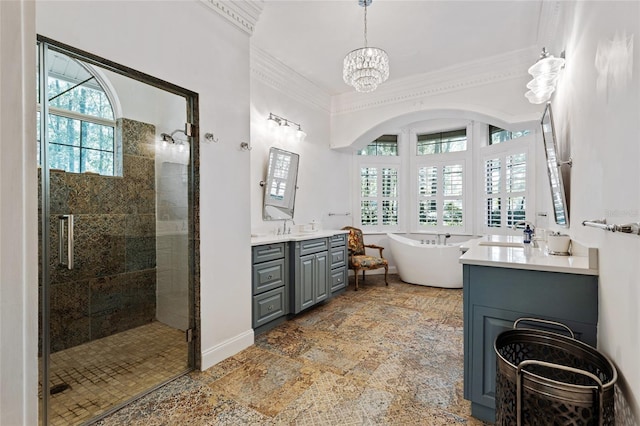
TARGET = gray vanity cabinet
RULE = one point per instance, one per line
(269, 285)
(310, 273)
(338, 263)
(494, 297)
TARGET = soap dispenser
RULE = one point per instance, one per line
(527, 235)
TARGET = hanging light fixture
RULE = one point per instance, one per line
(545, 76)
(367, 67)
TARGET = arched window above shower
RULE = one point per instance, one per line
(81, 127)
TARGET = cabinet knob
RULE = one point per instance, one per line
(270, 307)
(269, 277)
(339, 280)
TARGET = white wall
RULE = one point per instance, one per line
(600, 126)
(187, 44)
(18, 217)
(323, 174)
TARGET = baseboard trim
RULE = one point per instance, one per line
(224, 350)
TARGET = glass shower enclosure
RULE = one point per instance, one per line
(117, 252)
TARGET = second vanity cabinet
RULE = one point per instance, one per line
(495, 297)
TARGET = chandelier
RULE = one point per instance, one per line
(367, 67)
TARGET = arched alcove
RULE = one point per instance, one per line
(410, 119)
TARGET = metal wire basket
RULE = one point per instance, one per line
(545, 378)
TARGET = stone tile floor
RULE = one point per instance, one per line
(379, 356)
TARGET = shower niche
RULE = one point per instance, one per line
(117, 285)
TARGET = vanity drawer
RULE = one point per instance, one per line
(267, 252)
(313, 246)
(268, 275)
(268, 306)
(338, 279)
(338, 240)
(338, 257)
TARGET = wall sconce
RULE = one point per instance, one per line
(290, 130)
(168, 142)
(545, 76)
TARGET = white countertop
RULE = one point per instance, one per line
(257, 240)
(483, 252)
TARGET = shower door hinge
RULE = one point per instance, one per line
(189, 335)
(189, 129)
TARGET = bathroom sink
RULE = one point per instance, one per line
(501, 244)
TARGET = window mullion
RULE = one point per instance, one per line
(82, 117)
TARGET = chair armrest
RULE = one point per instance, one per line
(373, 246)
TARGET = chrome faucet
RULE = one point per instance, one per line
(284, 226)
(523, 224)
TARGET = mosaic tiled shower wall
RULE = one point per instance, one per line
(112, 287)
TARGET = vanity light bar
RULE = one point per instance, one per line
(286, 125)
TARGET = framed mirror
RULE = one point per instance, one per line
(558, 194)
(280, 185)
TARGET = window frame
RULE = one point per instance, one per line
(379, 162)
(109, 92)
(523, 144)
(472, 159)
(442, 160)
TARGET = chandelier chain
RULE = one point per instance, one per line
(366, 44)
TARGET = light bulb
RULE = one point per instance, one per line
(300, 135)
(537, 99)
(271, 122)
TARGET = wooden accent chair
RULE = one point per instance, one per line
(358, 259)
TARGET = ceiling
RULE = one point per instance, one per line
(313, 36)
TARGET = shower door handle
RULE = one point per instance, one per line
(61, 240)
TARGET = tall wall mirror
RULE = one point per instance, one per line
(280, 185)
(554, 165)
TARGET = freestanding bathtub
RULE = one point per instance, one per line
(427, 264)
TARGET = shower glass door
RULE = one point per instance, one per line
(116, 235)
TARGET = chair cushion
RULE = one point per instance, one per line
(355, 241)
(367, 262)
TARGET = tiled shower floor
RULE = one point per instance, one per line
(112, 370)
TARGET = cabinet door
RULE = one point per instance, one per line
(338, 279)
(488, 323)
(314, 246)
(338, 240)
(338, 257)
(268, 252)
(307, 281)
(322, 274)
(268, 306)
(268, 275)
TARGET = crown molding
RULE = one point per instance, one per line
(549, 24)
(461, 76)
(279, 76)
(243, 14)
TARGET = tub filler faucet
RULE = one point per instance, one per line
(446, 237)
